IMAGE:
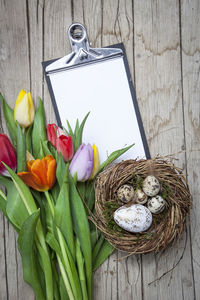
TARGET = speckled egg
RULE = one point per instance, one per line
(135, 218)
(141, 197)
(156, 204)
(125, 193)
(151, 186)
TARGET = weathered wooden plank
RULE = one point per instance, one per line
(35, 10)
(14, 74)
(190, 34)
(26, 39)
(3, 270)
(159, 92)
(57, 19)
(34, 27)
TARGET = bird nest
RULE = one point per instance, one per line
(166, 227)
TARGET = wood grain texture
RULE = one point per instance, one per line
(15, 74)
(159, 93)
(190, 33)
(162, 41)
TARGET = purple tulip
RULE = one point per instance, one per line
(82, 162)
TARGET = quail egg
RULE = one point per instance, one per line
(135, 218)
(141, 197)
(156, 204)
(151, 186)
(125, 193)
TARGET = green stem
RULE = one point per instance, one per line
(66, 263)
(80, 264)
(49, 202)
(3, 195)
(65, 279)
(46, 262)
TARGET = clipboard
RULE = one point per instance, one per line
(97, 80)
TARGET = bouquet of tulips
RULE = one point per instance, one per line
(48, 175)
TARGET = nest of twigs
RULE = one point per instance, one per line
(166, 226)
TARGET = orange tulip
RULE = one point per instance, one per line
(41, 174)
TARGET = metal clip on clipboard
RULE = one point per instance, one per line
(97, 80)
(82, 53)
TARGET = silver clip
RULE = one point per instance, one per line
(82, 53)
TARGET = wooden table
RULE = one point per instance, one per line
(162, 40)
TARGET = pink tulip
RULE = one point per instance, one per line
(7, 155)
(60, 141)
(82, 162)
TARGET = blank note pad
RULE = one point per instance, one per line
(103, 89)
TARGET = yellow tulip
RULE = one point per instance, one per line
(96, 162)
(24, 111)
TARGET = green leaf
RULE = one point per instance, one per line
(40, 201)
(3, 202)
(90, 195)
(15, 208)
(76, 128)
(81, 270)
(78, 137)
(26, 246)
(63, 292)
(52, 149)
(81, 227)
(70, 267)
(97, 248)
(103, 254)
(10, 122)
(52, 242)
(63, 214)
(114, 155)
(46, 265)
(94, 235)
(60, 170)
(29, 139)
(55, 192)
(39, 129)
(70, 132)
(23, 191)
(45, 148)
(55, 281)
(21, 150)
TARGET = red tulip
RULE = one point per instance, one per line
(52, 133)
(64, 145)
(60, 141)
(7, 155)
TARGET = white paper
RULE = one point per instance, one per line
(102, 89)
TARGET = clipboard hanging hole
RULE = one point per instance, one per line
(77, 32)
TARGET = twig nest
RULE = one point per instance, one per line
(151, 186)
(134, 218)
(167, 225)
(125, 193)
(156, 204)
(140, 197)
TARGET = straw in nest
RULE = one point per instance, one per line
(166, 226)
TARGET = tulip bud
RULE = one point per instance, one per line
(52, 133)
(64, 145)
(82, 162)
(7, 155)
(24, 111)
